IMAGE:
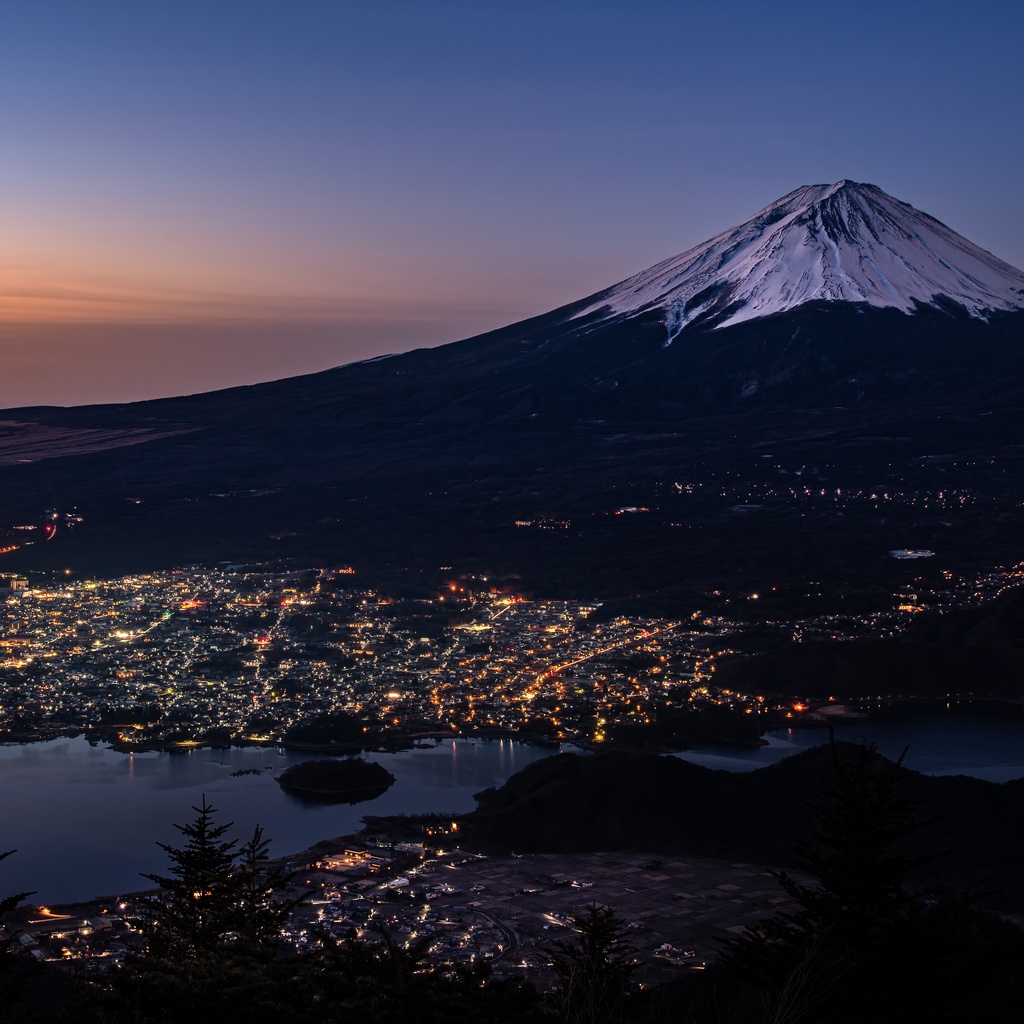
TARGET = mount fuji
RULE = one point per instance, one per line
(833, 292)
(846, 242)
(838, 336)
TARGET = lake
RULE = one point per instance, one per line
(85, 820)
(989, 748)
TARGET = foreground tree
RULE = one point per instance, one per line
(386, 982)
(12, 976)
(594, 969)
(215, 891)
(862, 944)
(213, 939)
(214, 951)
(196, 906)
(7, 904)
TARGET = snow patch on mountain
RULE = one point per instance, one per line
(845, 242)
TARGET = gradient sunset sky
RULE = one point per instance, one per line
(201, 194)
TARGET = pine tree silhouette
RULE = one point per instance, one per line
(7, 904)
(863, 944)
(594, 968)
(213, 942)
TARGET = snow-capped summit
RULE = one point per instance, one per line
(847, 242)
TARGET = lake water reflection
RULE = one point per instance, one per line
(985, 748)
(85, 820)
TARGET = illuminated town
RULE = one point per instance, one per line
(215, 656)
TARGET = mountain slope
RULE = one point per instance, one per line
(586, 409)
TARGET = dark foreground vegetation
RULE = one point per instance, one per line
(625, 801)
(865, 943)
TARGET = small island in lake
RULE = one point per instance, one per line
(348, 780)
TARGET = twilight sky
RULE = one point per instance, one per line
(201, 193)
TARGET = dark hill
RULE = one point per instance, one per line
(977, 651)
(349, 780)
(618, 801)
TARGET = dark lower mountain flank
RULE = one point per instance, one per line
(839, 376)
(409, 463)
(977, 651)
(620, 801)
